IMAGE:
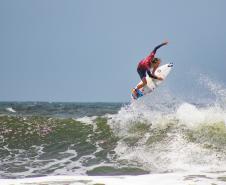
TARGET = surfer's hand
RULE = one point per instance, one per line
(166, 42)
(160, 78)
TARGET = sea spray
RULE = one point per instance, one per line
(172, 135)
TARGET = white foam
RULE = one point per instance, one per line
(156, 179)
(175, 152)
(10, 109)
(192, 116)
(86, 119)
(189, 114)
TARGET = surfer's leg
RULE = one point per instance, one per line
(142, 74)
(140, 85)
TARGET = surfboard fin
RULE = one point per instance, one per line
(170, 64)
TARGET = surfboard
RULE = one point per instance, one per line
(161, 71)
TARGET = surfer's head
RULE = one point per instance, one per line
(155, 61)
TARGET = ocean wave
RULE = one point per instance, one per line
(163, 134)
(156, 134)
(138, 137)
(35, 145)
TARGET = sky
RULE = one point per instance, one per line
(88, 50)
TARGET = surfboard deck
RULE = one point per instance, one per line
(161, 71)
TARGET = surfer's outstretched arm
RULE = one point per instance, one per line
(159, 46)
(152, 54)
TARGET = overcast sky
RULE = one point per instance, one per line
(88, 50)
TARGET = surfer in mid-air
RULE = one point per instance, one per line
(145, 66)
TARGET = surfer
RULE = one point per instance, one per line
(145, 66)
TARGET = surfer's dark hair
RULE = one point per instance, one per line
(155, 60)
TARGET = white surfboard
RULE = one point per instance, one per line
(161, 71)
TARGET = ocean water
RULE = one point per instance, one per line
(158, 139)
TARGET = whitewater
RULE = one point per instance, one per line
(160, 139)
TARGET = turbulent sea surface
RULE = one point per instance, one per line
(157, 140)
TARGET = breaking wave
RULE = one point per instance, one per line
(156, 134)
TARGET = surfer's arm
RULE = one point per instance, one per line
(151, 75)
(152, 54)
(159, 46)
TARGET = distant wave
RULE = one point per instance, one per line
(10, 109)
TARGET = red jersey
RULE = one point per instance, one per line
(145, 63)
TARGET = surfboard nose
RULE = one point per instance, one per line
(170, 65)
